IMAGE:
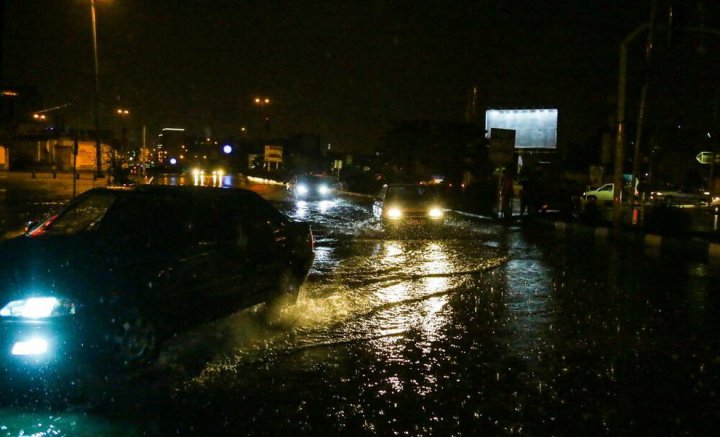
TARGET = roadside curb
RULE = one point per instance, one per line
(694, 249)
(352, 194)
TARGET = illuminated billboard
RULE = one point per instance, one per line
(534, 128)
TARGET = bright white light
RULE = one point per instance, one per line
(394, 213)
(173, 161)
(302, 189)
(227, 148)
(196, 172)
(323, 189)
(36, 346)
(33, 308)
(435, 212)
(533, 129)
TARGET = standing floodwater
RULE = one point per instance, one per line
(472, 329)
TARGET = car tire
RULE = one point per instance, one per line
(289, 287)
(132, 340)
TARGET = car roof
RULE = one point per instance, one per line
(240, 194)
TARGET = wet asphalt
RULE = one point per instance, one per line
(478, 328)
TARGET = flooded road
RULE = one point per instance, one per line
(475, 328)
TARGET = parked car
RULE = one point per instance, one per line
(118, 271)
(313, 187)
(683, 196)
(409, 203)
(601, 194)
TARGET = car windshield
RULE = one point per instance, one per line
(411, 192)
(83, 215)
(315, 180)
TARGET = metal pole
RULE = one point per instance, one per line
(620, 137)
(713, 145)
(75, 153)
(98, 146)
(643, 100)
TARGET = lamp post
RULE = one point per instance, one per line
(620, 135)
(123, 115)
(98, 146)
(262, 101)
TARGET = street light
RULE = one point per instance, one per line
(98, 147)
(262, 101)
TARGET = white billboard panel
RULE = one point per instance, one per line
(534, 128)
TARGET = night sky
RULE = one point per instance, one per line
(342, 69)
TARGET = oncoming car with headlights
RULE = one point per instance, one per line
(313, 187)
(118, 271)
(409, 203)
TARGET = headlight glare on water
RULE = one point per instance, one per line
(394, 213)
(37, 308)
(435, 212)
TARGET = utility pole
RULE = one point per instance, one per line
(98, 146)
(620, 136)
(643, 99)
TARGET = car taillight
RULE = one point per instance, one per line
(38, 231)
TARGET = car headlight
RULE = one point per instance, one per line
(394, 213)
(323, 189)
(38, 308)
(302, 189)
(435, 212)
(218, 173)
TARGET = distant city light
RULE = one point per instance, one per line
(173, 161)
(227, 148)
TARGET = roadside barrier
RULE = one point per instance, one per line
(693, 248)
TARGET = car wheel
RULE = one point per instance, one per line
(133, 339)
(289, 287)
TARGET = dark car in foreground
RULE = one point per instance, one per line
(118, 271)
(409, 204)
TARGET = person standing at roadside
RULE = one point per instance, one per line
(506, 194)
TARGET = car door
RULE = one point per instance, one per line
(222, 246)
(268, 254)
(182, 273)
